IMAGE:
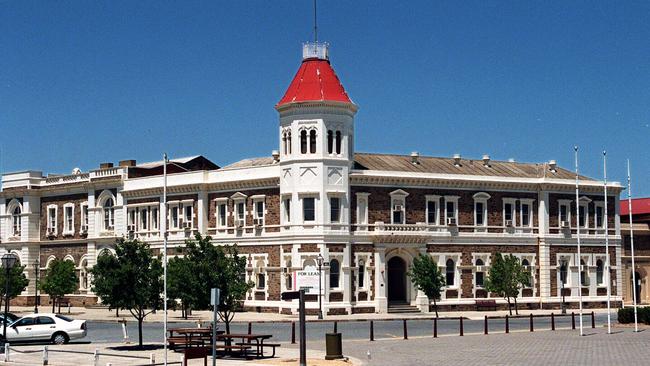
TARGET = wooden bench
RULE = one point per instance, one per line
(262, 345)
(486, 305)
(242, 348)
(196, 353)
(182, 341)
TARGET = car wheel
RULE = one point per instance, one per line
(60, 338)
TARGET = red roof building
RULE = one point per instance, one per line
(640, 206)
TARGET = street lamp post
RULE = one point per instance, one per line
(8, 261)
(320, 261)
(36, 273)
(563, 275)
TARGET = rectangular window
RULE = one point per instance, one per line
(398, 211)
(479, 214)
(174, 218)
(508, 209)
(432, 213)
(525, 214)
(222, 214)
(583, 216)
(261, 281)
(479, 279)
(84, 216)
(564, 213)
(259, 209)
(362, 276)
(69, 223)
(308, 209)
(132, 217)
(287, 210)
(189, 210)
(51, 218)
(335, 209)
(600, 216)
(154, 218)
(144, 217)
(450, 211)
(241, 210)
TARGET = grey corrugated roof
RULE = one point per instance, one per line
(252, 162)
(160, 162)
(436, 165)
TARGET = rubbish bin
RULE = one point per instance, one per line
(333, 346)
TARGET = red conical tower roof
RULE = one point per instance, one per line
(315, 80)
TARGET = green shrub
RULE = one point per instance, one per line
(626, 315)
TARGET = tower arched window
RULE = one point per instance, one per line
(338, 142)
(330, 141)
(15, 221)
(450, 272)
(480, 276)
(284, 143)
(335, 273)
(312, 141)
(109, 214)
(599, 272)
(303, 142)
(289, 141)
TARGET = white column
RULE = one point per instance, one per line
(347, 275)
(203, 206)
(380, 281)
(421, 301)
(545, 270)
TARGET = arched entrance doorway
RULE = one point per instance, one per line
(396, 281)
(636, 287)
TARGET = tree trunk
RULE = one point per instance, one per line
(140, 319)
(435, 306)
(509, 305)
(53, 304)
(516, 309)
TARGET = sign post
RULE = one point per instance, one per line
(214, 301)
(300, 295)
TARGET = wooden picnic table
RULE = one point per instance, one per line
(248, 339)
(189, 336)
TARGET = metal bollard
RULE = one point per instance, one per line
(507, 324)
(45, 356)
(552, 321)
(435, 328)
(485, 325)
(293, 332)
(573, 320)
(461, 326)
(250, 328)
(531, 322)
(152, 358)
(7, 358)
(336, 327)
(406, 335)
(372, 331)
(96, 357)
(109, 364)
(593, 320)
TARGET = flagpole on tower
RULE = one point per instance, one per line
(607, 265)
(164, 225)
(578, 235)
(315, 25)
(629, 207)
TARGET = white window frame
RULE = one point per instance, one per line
(481, 197)
(144, 225)
(132, 218)
(584, 202)
(66, 230)
(365, 259)
(239, 198)
(257, 199)
(154, 219)
(55, 209)
(454, 200)
(485, 257)
(362, 210)
(15, 220)
(530, 269)
(302, 208)
(84, 215)
(529, 202)
(286, 209)
(603, 259)
(601, 205)
(189, 205)
(435, 199)
(339, 285)
(566, 203)
(219, 202)
(339, 197)
(569, 259)
(398, 197)
(513, 212)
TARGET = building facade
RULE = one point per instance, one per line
(640, 231)
(367, 214)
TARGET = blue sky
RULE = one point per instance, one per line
(82, 82)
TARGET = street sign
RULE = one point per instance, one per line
(214, 296)
(290, 295)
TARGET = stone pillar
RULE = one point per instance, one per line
(203, 206)
(346, 269)
(544, 263)
(380, 281)
(422, 301)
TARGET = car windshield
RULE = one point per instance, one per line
(12, 317)
(63, 317)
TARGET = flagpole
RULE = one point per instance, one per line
(629, 207)
(578, 235)
(607, 265)
(165, 253)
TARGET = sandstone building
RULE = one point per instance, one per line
(367, 214)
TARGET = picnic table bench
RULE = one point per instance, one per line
(248, 341)
(486, 305)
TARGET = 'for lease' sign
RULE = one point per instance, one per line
(307, 280)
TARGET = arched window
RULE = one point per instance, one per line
(599, 272)
(312, 141)
(563, 271)
(526, 264)
(338, 142)
(583, 274)
(288, 276)
(362, 274)
(284, 143)
(450, 272)
(109, 214)
(289, 141)
(83, 274)
(303, 142)
(330, 142)
(335, 272)
(15, 221)
(261, 276)
(479, 273)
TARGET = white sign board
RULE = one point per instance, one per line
(307, 280)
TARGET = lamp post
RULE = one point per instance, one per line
(320, 261)
(36, 273)
(8, 261)
(563, 275)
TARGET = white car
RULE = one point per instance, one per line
(56, 328)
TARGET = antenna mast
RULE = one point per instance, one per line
(315, 25)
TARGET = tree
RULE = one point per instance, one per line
(131, 280)
(181, 283)
(216, 267)
(60, 279)
(427, 277)
(506, 277)
(18, 282)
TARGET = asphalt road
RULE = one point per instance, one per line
(101, 332)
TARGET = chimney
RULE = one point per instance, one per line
(105, 165)
(457, 159)
(127, 162)
(552, 164)
(486, 160)
(276, 156)
(511, 160)
(415, 158)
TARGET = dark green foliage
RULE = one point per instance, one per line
(506, 277)
(181, 283)
(427, 277)
(626, 315)
(132, 280)
(60, 279)
(17, 282)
